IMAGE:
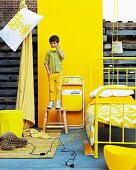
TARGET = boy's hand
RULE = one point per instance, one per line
(59, 50)
(48, 73)
(57, 46)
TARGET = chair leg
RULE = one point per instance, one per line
(65, 122)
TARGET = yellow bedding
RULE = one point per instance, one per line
(116, 108)
(113, 99)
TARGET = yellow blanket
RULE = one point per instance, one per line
(117, 109)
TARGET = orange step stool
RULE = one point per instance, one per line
(59, 124)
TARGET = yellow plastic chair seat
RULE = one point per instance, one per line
(11, 121)
(118, 157)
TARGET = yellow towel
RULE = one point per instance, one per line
(113, 99)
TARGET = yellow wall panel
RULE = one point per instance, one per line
(78, 23)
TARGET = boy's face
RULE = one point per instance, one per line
(53, 44)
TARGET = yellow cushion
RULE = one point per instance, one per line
(19, 27)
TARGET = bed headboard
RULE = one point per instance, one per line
(115, 70)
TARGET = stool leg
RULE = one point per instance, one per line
(45, 121)
(59, 116)
(65, 122)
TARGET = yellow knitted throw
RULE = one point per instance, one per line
(25, 94)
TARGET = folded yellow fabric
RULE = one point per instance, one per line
(113, 99)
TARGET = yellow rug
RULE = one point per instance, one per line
(40, 145)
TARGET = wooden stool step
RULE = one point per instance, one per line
(59, 124)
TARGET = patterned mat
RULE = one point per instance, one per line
(40, 145)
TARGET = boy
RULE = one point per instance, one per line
(53, 65)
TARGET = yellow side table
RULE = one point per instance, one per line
(11, 121)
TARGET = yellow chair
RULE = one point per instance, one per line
(118, 157)
(11, 121)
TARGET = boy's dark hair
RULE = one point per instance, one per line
(54, 38)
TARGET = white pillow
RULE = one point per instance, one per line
(19, 27)
(111, 92)
(105, 93)
(122, 92)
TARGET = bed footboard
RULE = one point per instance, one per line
(120, 114)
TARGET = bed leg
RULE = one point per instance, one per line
(96, 150)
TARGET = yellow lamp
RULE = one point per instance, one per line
(117, 47)
(118, 157)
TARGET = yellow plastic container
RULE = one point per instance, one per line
(11, 121)
(72, 100)
(120, 158)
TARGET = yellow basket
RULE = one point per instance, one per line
(11, 121)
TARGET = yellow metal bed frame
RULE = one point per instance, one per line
(113, 77)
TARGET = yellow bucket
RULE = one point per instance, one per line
(11, 121)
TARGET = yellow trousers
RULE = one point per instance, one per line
(55, 82)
